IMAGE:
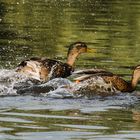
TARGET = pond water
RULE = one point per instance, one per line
(45, 28)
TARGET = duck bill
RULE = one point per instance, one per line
(91, 50)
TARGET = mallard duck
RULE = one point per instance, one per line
(44, 69)
(102, 82)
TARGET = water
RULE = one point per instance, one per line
(45, 28)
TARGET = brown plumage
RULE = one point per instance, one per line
(110, 81)
(44, 69)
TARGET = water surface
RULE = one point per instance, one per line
(45, 28)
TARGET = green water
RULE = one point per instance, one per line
(45, 28)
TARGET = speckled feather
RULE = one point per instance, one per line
(113, 80)
(44, 69)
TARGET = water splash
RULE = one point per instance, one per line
(53, 86)
(50, 76)
(94, 86)
(13, 83)
(9, 79)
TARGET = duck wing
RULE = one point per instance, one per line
(57, 68)
(92, 71)
(82, 78)
(88, 76)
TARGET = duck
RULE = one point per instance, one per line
(104, 82)
(44, 69)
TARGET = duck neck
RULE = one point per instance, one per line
(134, 82)
(71, 58)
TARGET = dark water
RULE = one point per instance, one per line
(44, 28)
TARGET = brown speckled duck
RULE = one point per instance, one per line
(44, 69)
(103, 81)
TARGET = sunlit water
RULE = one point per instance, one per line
(45, 28)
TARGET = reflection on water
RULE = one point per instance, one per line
(44, 28)
(36, 118)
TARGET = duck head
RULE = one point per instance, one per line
(74, 50)
(77, 48)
